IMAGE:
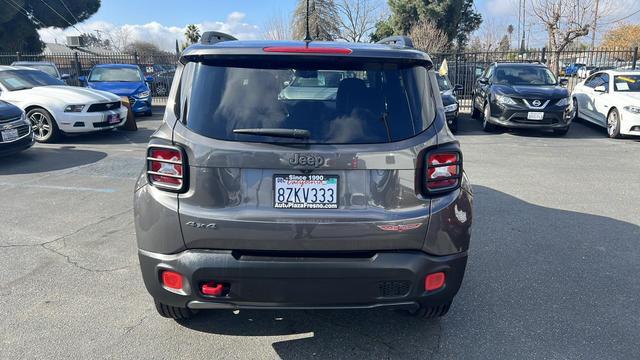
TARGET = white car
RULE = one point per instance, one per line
(53, 108)
(610, 99)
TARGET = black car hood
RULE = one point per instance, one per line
(448, 98)
(8, 111)
(532, 91)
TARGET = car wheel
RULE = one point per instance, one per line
(148, 113)
(575, 116)
(161, 90)
(475, 113)
(173, 312)
(486, 125)
(43, 126)
(454, 125)
(613, 124)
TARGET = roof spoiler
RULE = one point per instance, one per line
(214, 37)
(398, 41)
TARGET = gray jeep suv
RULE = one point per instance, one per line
(251, 199)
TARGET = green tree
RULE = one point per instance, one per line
(324, 21)
(21, 19)
(456, 18)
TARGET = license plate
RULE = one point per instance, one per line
(305, 191)
(9, 135)
(535, 115)
(113, 118)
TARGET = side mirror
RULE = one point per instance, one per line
(64, 76)
(82, 78)
(600, 89)
(458, 87)
(564, 82)
(148, 79)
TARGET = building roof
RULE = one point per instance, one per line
(54, 48)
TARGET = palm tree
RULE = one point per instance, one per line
(192, 34)
(510, 32)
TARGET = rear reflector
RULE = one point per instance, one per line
(434, 281)
(307, 50)
(443, 171)
(165, 167)
(172, 280)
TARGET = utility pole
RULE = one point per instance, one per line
(595, 23)
(524, 22)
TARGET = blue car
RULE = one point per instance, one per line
(572, 69)
(124, 80)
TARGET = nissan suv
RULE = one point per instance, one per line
(254, 200)
(522, 96)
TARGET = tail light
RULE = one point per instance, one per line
(443, 171)
(166, 167)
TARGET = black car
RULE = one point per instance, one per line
(449, 100)
(522, 95)
(15, 130)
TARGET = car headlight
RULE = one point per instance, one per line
(143, 94)
(450, 108)
(632, 109)
(23, 117)
(505, 100)
(564, 102)
(74, 108)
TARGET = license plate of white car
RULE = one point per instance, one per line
(535, 115)
(305, 191)
(113, 118)
(9, 135)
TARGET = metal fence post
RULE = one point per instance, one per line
(543, 55)
(18, 56)
(135, 58)
(78, 68)
(635, 58)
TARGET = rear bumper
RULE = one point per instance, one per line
(383, 279)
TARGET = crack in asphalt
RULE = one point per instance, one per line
(47, 244)
(128, 329)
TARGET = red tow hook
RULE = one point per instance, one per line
(212, 289)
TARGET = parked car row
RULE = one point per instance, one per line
(529, 96)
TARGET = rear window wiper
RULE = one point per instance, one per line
(276, 132)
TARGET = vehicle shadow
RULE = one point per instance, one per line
(112, 137)
(579, 130)
(38, 160)
(538, 278)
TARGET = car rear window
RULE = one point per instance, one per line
(339, 102)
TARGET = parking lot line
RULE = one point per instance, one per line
(53, 187)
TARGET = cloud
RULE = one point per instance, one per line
(159, 34)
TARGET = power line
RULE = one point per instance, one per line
(70, 13)
(62, 17)
(622, 18)
(30, 15)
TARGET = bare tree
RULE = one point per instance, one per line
(119, 38)
(427, 37)
(358, 18)
(323, 20)
(565, 21)
(278, 27)
(487, 38)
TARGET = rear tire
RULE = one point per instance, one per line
(576, 115)
(431, 311)
(475, 113)
(486, 114)
(613, 124)
(173, 312)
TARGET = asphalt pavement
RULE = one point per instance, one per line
(552, 274)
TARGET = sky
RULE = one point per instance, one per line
(162, 22)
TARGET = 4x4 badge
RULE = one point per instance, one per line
(197, 225)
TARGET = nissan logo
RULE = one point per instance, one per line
(536, 103)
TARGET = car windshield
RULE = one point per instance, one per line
(103, 74)
(524, 75)
(443, 82)
(626, 83)
(49, 69)
(26, 79)
(372, 102)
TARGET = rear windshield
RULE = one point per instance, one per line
(337, 103)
